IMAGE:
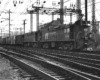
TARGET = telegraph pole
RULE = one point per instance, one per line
(61, 12)
(86, 18)
(9, 22)
(93, 16)
(37, 17)
(52, 16)
(79, 8)
(31, 22)
(71, 18)
(24, 23)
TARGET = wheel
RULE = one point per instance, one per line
(80, 44)
(46, 45)
(53, 44)
(71, 47)
(80, 40)
(91, 44)
(43, 45)
(65, 47)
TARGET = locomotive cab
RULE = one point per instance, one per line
(78, 34)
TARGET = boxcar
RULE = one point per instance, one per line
(19, 40)
(8, 41)
(30, 38)
(12, 40)
(1, 40)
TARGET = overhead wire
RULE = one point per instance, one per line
(21, 13)
(24, 9)
(91, 4)
(17, 15)
(64, 2)
(24, 12)
(6, 4)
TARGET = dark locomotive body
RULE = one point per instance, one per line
(55, 35)
(63, 36)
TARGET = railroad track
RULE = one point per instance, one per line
(88, 71)
(87, 67)
(45, 68)
(57, 50)
(89, 59)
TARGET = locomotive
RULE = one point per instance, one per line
(56, 35)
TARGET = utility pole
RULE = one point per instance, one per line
(53, 4)
(86, 14)
(37, 18)
(93, 16)
(52, 16)
(9, 22)
(24, 23)
(78, 8)
(61, 12)
(31, 12)
(31, 22)
(71, 18)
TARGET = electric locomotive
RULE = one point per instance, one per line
(71, 36)
(57, 35)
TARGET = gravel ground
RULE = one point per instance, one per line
(6, 71)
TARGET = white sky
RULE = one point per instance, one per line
(19, 13)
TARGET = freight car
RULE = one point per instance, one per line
(19, 40)
(30, 39)
(8, 40)
(2, 41)
(12, 40)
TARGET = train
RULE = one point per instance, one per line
(55, 35)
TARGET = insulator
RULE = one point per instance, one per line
(58, 2)
(14, 5)
(44, 11)
(44, 1)
(14, 2)
(73, 6)
(20, 2)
